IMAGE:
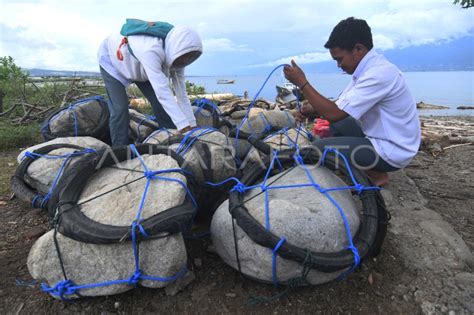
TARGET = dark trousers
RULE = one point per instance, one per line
(350, 141)
(118, 108)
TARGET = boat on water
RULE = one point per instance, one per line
(225, 81)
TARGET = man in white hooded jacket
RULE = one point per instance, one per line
(150, 63)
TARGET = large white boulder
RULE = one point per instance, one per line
(303, 215)
(87, 263)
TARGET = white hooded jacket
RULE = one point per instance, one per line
(153, 63)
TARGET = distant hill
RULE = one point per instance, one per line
(61, 73)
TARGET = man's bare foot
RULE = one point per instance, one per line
(378, 178)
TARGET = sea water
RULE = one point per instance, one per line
(447, 88)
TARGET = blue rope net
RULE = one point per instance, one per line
(67, 287)
(265, 188)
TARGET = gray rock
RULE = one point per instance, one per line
(161, 136)
(91, 263)
(303, 215)
(203, 117)
(277, 119)
(42, 172)
(281, 140)
(87, 114)
(221, 164)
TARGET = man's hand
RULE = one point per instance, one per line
(294, 74)
(304, 112)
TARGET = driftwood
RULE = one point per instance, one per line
(216, 97)
(421, 105)
(238, 104)
(444, 133)
(5, 113)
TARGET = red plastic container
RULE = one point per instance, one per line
(321, 128)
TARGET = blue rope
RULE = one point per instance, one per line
(274, 260)
(250, 107)
(201, 102)
(67, 287)
(186, 143)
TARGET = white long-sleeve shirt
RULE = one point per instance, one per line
(380, 100)
(152, 62)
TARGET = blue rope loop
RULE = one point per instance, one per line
(191, 137)
(135, 278)
(201, 103)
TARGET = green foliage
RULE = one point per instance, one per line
(465, 3)
(193, 89)
(10, 74)
(11, 78)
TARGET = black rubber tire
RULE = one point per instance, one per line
(24, 191)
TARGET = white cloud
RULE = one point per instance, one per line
(312, 57)
(66, 34)
(223, 45)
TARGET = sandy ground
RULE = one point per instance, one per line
(426, 264)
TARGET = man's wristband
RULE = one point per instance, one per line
(304, 85)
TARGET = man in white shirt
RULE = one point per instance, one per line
(149, 62)
(374, 121)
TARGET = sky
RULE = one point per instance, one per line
(239, 36)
